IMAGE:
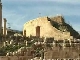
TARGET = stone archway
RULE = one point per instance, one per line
(24, 32)
(38, 31)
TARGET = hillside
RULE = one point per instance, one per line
(59, 23)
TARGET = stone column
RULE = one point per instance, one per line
(42, 54)
(0, 16)
(4, 28)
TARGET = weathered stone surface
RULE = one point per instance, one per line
(46, 28)
(0, 17)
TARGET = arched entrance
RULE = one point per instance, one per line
(24, 32)
(38, 31)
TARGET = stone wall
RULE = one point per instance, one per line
(36, 58)
(56, 53)
(15, 57)
(46, 29)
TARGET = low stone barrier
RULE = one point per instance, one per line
(15, 57)
(31, 58)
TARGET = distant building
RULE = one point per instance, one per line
(44, 27)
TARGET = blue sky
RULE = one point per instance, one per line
(17, 12)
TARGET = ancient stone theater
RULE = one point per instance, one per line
(48, 27)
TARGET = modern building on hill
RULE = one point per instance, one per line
(47, 27)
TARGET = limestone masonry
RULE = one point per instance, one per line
(0, 16)
(44, 27)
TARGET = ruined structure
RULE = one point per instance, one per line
(4, 28)
(49, 27)
(0, 16)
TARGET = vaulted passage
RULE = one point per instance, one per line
(24, 32)
(38, 31)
